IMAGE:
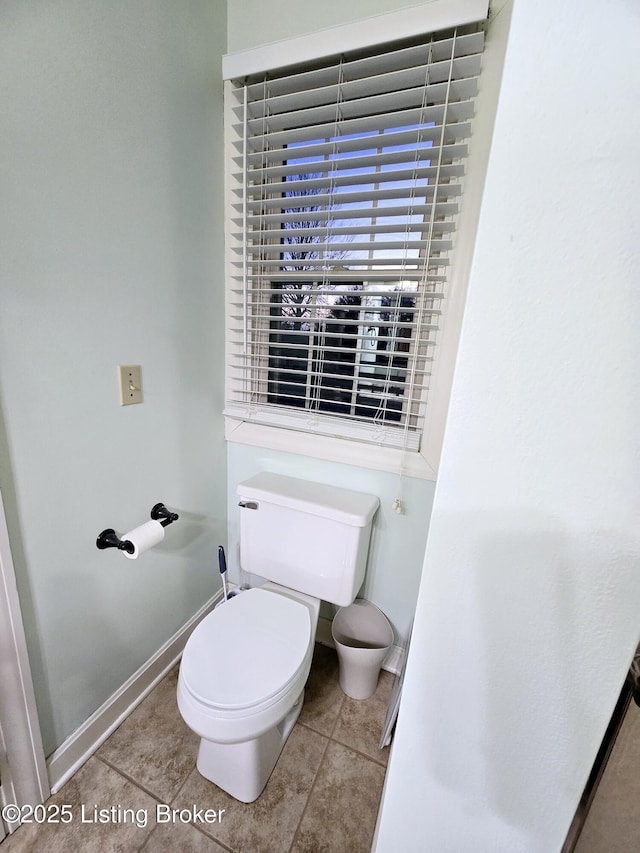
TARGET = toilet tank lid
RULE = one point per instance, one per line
(344, 505)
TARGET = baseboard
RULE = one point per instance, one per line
(81, 745)
(392, 662)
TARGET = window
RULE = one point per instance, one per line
(341, 349)
(346, 185)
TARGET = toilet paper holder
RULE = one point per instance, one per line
(109, 538)
(160, 513)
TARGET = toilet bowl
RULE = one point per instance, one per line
(245, 666)
(241, 684)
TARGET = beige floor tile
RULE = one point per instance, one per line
(268, 824)
(153, 746)
(613, 822)
(172, 837)
(322, 697)
(94, 787)
(342, 809)
(360, 721)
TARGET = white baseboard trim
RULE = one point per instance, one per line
(86, 739)
(392, 662)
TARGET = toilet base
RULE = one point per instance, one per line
(243, 769)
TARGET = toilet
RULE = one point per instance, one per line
(244, 667)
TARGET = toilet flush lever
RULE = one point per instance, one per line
(248, 504)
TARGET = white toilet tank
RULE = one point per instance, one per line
(306, 536)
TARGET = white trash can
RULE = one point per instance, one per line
(363, 636)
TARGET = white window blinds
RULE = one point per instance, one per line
(346, 180)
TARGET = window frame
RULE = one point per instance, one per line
(289, 434)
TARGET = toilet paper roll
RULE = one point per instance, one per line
(143, 538)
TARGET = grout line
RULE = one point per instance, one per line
(360, 752)
(179, 791)
(164, 802)
(195, 825)
(212, 838)
(344, 743)
(338, 715)
(130, 779)
(311, 789)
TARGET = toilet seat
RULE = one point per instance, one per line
(247, 652)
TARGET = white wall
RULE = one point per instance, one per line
(529, 605)
(111, 230)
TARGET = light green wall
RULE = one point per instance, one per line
(255, 22)
(111, 230)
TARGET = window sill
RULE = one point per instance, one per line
(364, 455)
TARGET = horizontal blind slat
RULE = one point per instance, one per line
(305, 127)
(351, 214)
(402, 273)
(442, 191)
(304, 188)
(375, 228)
(441, 46)
(407, 85)
(348, 147)
(423, 152)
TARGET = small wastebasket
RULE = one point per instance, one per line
(363, 636)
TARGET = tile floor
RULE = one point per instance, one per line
(613, 822)
(322, 796)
